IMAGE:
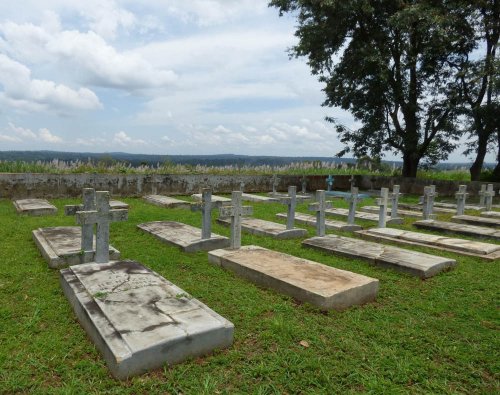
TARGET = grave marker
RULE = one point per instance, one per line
(353, 200)
(329, 182)
(87, 237)
(291, 203)
(482, 195)
(275, 182)
(102, 216)
(428, 202)
(461, 196)
(303, 182)
(320, 208)
(488, 197)
(206, 208)
(395, 201)
(235, 211)
(382, 202)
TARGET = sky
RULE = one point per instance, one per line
(160, 77)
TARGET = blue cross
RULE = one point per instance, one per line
(329, 182)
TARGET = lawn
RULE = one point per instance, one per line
(434, 336)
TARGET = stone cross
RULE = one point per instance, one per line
(329, 182)
(395, 201)
(102, 216)
(235, 211)
(489, 193)
(303, 181)
(87, 237)
(352, 180)
(275, 182)
(206, 206)
(353, 200)
(291, 202)
(428, 202)
(482, 195)
(461, 196)
(242, 186)
(320, 206)
(382, 202)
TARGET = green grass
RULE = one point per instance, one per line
(434, 336)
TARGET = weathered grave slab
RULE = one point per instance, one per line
(411, 262)
(468, 247)
(34, 207)
(278, 196)
(402, 213)
(215, 199)
(490, 214)
(166, 201)
(248, 197)
(343, 212)
(261, 227)
(418, 207)
(117, 204)
(186, 237)
(138, 320)
(474, 220)
(463, 229)
(61, 246)
(306, 219)
(321, 285)
(453, 206)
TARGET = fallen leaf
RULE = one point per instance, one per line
(303, 343)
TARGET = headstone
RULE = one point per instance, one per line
(452, 227)
(320, 285)
(395, 201)
(461, 196)
(352, 180)
(303, 182)
(34, 207)
(138, 320)
(275, 182)
(242, 186)
(489, 197)
(102, 216)
(235, 212)
(291, 203)
(485, 251)
(329, 182)
(382, 202)
(428, 202)
(166, 201)
(87, 233)
(411, 262)
(320, 208)
(482, 195)
(353, 200)
(206, 208)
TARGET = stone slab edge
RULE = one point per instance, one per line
(328, 226)
(36, 212)
(179, 204)
(281, 235)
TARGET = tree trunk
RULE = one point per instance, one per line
(410, 164)
(477, 166)
(496, 170)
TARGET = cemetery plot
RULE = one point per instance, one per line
(266, 228)
(418, 207)
(215, 199)
(343, 212)
(468, 247)
(186, 237)
(138, 320)
(166, 201)
(453, 206)
(306, 219)
(490, 214)
(248, 197)
(451, 227)
(410, 262)
(321, 285)
(480, 221)
(61, 246)
(34, 207)
(116, 204)
(403, 213)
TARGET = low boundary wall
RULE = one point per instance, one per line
(25, 185)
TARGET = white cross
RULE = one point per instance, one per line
(320, 208)
(206, 206)
(382, 202)
(291, 202)
(235, 211)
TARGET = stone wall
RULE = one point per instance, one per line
(22, 185)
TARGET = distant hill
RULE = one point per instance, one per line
(207, 160)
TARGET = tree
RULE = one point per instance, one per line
(478, 81)
(386, 62)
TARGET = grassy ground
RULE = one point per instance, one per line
(433, 336)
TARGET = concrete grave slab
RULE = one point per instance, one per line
(410, 262)
(224, 201)
(474, 220)
(61, 246)
(186, 237)
(418, 207)
(490, 214)
(261, 227)
(453, 206)
(402, 213)
(462, 246)
(117, 204)
(343, 212)
(248, 197)
(166, 201)
(300, 198)
(321, 285)
(34, 207)
(138, 320)
(452, 227)
(306, 219)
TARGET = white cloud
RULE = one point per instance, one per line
(91, 142)
(9, 139)
(45, 135)
(121, 138)
(25, 134)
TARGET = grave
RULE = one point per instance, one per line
(320, 207)
(306, 219)
(474, 220)
(353, 200)
(401, 213)
(303, 193)
(275, 181)
(489, 193)
(215, 199)
(461, 246)
(267, 228)
(248, 197)
(34, 207)
(73, 245)
(383, 203)
(406, 261)
(187, 237)
(395, 201)
(428, 202)
(166, 201)
(420, 207)
(451, 227)
(490, 214)
(461, 196)
(322, 286)
(138, 320)
(343, 212)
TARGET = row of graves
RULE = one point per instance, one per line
(141, 321)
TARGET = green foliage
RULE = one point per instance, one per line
(419, 337)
